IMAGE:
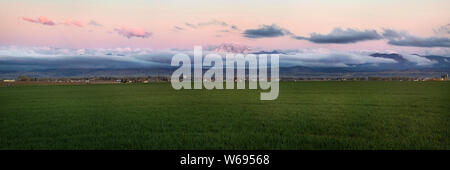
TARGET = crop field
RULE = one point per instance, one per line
(306, 115)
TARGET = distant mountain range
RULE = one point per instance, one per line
(438, 62)
(269, 52)
(404, 66)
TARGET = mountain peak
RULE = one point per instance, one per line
(232, 48)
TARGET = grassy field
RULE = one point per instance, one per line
(307, 115)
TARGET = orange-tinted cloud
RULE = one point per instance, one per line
(40, 20)
(132, 32)
(69, 22)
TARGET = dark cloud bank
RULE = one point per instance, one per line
(405, 39)
(349, 35)
(266, 31)
(341, 36)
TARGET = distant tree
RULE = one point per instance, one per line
(23, 78)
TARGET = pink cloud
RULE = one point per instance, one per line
(69, 22)
(40, 20)
(132, 32)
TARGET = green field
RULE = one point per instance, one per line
(307, 115)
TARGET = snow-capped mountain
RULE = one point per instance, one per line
(232, 48)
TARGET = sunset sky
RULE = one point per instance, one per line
(182, 24)
(90, 34)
